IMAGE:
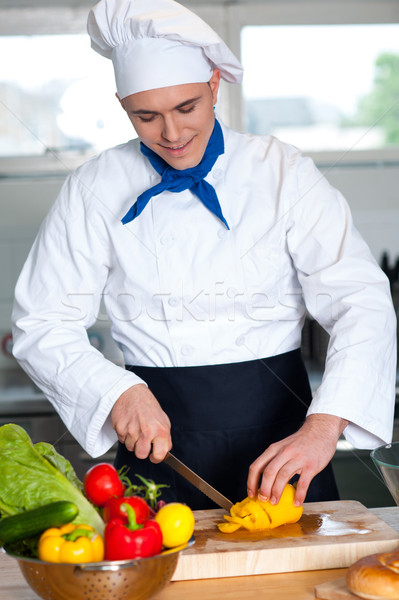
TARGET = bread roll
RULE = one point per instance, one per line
(375, 577)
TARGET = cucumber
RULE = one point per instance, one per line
(35, 521)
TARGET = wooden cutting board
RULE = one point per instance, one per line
(329, 535)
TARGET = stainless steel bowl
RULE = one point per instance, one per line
(113, 580)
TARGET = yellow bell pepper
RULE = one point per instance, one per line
(255, 515)
(71, 544)
(284, 512)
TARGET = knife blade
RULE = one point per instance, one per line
(197, 481)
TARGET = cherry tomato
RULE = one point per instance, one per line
(177, 522)
(101, 483)
(112, 510)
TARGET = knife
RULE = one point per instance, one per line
(197, 481)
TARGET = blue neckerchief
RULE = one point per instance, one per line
(174, 180)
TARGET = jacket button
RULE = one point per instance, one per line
(240, 341)
(221, 233)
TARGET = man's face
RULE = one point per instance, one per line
(175, 122)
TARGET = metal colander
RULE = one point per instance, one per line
(113, 580)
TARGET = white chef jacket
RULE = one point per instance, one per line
(182, 290)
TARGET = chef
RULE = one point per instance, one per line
(208, 247)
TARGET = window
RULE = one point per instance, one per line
(57, 103)
(58, 95)
(323, 87)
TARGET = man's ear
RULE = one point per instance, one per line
(121, 101)
(214, 83)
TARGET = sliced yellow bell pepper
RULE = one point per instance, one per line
(71, 544)
(285, 511)
(228, 527)
(255, 515)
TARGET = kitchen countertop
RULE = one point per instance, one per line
(282, 586)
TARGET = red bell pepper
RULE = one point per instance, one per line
(131, 540)
(112, 509)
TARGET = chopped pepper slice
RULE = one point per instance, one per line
(258, 517)
(228, 527)
(71, 544)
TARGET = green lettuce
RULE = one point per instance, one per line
(35, 474)
(60, 462)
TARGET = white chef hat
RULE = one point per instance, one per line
(158, 43)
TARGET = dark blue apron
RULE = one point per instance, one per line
(223, 417)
